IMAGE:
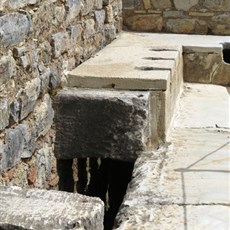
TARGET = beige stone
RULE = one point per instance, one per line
(185, 4)
(159, 4)
(144, 22)
(180, 25)
(217, 5)
(147, 4)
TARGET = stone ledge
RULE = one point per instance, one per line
(40, 209)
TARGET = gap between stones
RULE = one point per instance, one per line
(104, 178)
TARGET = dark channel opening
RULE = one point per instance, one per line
(226, 52)
(104, 178)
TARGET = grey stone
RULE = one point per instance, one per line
(4, 114)
(110, 32)
(28, 143)
(14, 112)
(40, 209)
(102, 123)
(29, 96)
(89, 29)
(14, 28)
(87, 7)
(185, 5)
(43, 116)
(60, 42)
(44, 165)
(73, 8)
(98, 4)
(100, 20)
(45, 79)
(75, 33)
(7, 68)
(159, 4)
(14, 143)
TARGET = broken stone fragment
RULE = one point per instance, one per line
(41, 209)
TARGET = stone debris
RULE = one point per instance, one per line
(40, 209)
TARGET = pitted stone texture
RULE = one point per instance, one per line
(40, 209)
(102, 123)
(173, 217)
(205, 65)
(126, 67)
(14, 28)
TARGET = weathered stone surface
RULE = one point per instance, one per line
(60, 43)
(7, 68)
(223, 5)
(159, 4)
(100, 20)
(73, 8)
(185, 183)
(87, 6)
(123, 67)
(14, 28)
(41, 209)
(181, 25)
(43, 116)
(4, 114)
(89, 29)
(173, 217)
(216, 104)
(185, 5)
(102, 123)
(29, 96)
(204, 66)
(144, 22)
(75, 33)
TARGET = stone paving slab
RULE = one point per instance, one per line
(41, 209)
(203, 106)
(189, 179)
(174, 217)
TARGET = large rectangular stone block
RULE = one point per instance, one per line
(103, 123)
(41, 209)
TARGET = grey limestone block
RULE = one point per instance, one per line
(102, 123)
(41, 209)
(14, 28)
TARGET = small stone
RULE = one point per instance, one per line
(185, 4)
(60, 43)
(73, 8)
(100, 20)
(89, 29)
(29, 96)
(4, 114)
(144, 22)
(181, 25)
(7, 68)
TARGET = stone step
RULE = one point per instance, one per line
(41, 209)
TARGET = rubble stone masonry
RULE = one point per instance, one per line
(178, 16)
(40, 40)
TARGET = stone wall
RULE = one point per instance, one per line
(178, 16)
(40, 41)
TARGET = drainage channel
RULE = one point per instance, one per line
(103, 178)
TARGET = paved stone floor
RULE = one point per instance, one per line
(186, 186)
